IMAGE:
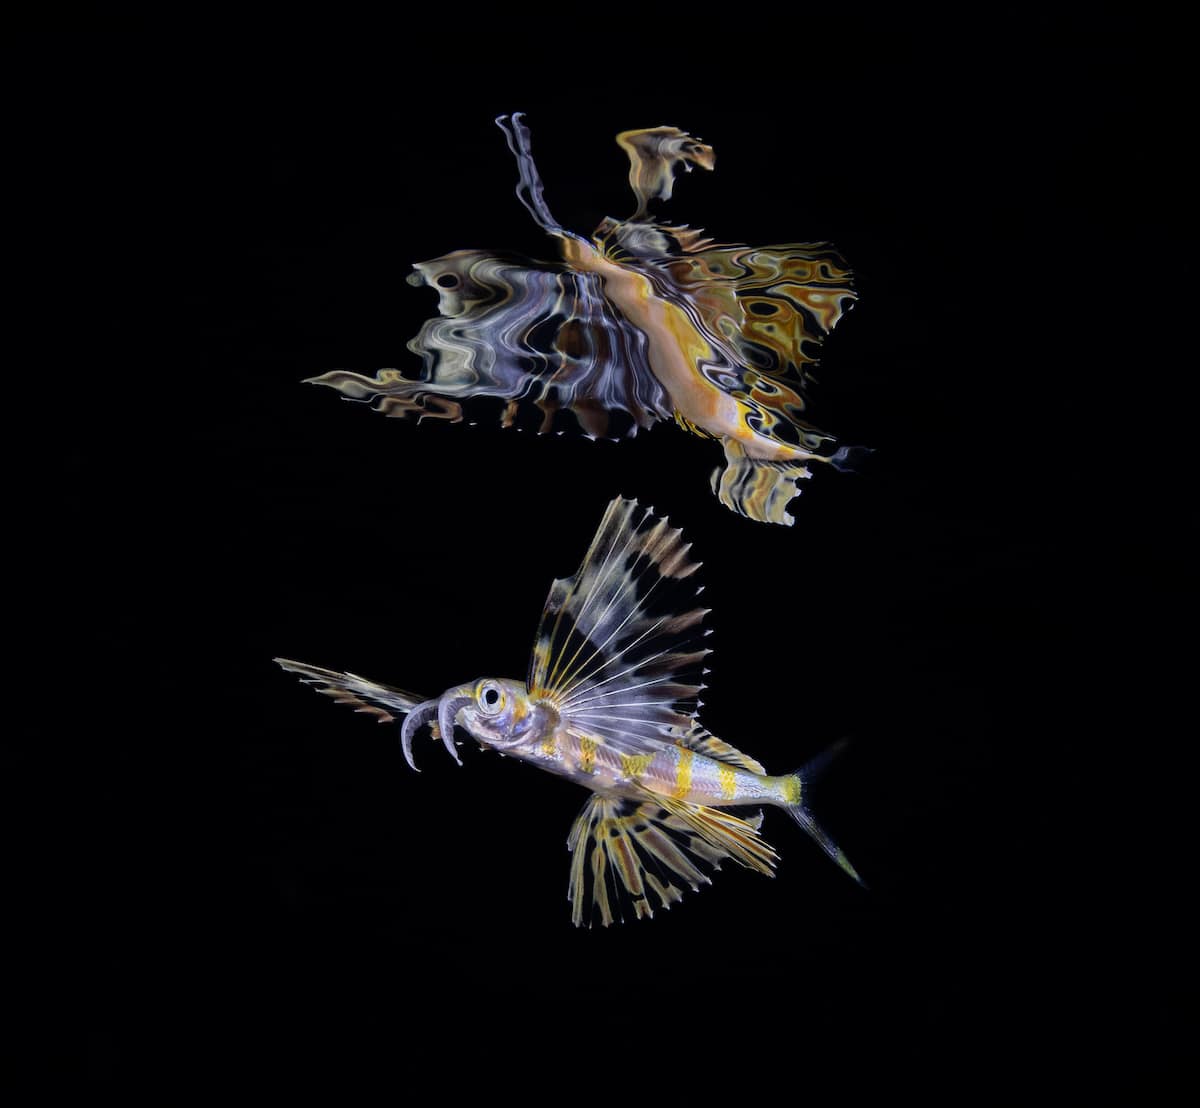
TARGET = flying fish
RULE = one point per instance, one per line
(611, 702)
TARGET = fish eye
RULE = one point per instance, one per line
(490, 698)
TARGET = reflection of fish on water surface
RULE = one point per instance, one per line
(645, 322)
(611, 703)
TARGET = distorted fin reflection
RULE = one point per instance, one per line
(643, 322)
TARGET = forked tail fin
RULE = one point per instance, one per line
(799, 811)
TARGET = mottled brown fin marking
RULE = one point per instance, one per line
(654, 155)
(347, 688)
(766, 310)
(789, 297)
(622, 850)
(620, 648)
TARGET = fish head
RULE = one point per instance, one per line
(499, 713)
(495, 711)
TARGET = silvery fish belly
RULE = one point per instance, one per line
(642, 322)
(610, 702)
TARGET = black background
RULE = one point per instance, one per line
(269, 889)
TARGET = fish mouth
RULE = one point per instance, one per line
(444, 709)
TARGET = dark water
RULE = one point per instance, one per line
(979, 607)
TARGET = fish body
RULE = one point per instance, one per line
(662, 769)
(678, 342)
(643, 322)
(611, 703)
(533, 731)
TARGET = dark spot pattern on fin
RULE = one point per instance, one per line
(789, 297)
(620, 647)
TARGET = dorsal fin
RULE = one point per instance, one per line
(703, 742)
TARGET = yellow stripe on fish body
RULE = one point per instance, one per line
(683, 773)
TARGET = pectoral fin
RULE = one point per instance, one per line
(384, 702)
(625, 850)
(620, 649)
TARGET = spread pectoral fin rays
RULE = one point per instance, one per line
(384, 702)
(620, 648)
(624, 849)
